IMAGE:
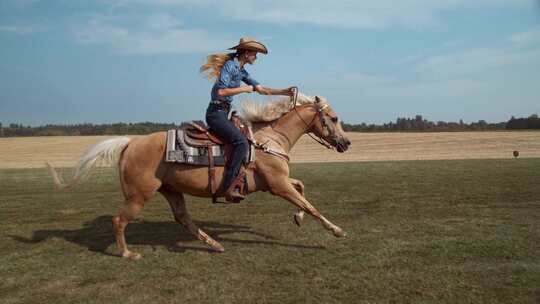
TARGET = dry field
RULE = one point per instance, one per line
(32, 152)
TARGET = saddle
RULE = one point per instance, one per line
(215, 152)
(200, 136)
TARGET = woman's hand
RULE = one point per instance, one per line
(248, 89)
(263, 91)
(289, 91)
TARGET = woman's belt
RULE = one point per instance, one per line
(225, 104)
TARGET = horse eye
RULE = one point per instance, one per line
(334, 119)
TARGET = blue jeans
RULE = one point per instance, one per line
(217, 120)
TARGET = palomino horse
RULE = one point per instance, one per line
(143, 171)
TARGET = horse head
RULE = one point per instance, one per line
(327, 126)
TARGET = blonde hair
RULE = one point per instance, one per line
(213, 64)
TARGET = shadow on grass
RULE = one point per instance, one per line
(97, 235)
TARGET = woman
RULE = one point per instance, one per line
(228, 70)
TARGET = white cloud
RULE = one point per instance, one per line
(473, 61)
(155, 34)
(462, 74)
(346, 13)
(18, 4)
(526, 38)
(483, 60)
(96, 32)
(482, 82)
(366, 80)
(20, 29)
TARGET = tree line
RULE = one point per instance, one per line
(139, 128)
(419, 124)
(416, 124)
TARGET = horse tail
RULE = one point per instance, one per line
(105, 153)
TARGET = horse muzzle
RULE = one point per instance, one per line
(341, 144)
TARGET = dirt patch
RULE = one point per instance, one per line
(64, 151)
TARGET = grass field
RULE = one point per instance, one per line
(454, 231)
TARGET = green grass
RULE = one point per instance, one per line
(418, 232)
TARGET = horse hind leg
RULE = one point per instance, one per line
(178, 208)
(299, 215)
(131, 208)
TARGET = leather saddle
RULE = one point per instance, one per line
(200, 136)
(203, 137)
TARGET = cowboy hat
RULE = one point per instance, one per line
(247, 43)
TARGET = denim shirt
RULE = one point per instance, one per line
(230, 76)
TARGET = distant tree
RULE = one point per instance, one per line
(531, 122)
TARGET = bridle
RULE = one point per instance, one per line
(320, 140)
(320, 115)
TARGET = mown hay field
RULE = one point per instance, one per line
(64, 151)
(444, 231)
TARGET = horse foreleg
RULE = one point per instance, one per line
(178, 208)
(299, 186)
(287, 191)
(129, 211)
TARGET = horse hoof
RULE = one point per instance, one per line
(218, 249)
(339, 233)
(297, 220)
(132, 256)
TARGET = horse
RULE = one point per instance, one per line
(143, 171)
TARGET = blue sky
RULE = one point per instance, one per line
(101, 61)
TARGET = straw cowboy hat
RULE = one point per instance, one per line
(247, 43)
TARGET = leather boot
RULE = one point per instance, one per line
(234, 192)
(234, 195)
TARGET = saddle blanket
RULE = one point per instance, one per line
(179, 151)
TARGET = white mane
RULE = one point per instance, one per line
(254, 111)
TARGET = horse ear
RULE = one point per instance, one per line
(317, 99)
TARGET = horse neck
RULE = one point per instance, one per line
(291, 126)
